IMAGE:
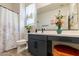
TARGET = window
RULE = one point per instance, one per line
(30, 14)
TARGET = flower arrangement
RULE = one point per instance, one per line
(59, 18)
(59, 21)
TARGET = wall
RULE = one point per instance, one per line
(46, 17)
(12, 6)
(26, 14)
(78, 12)
(22, 19)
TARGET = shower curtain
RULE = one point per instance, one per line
(9, 29)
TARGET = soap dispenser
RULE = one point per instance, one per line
(42, 30)
(36, 30)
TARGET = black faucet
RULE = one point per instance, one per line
(43, 29)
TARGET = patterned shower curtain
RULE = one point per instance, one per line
(9, 29)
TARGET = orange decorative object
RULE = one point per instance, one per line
(63, 50)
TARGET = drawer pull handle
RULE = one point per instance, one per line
(35, 44)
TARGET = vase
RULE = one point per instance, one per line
(59, 30)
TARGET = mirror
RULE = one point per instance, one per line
(46, 15)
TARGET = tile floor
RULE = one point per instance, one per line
(13, 52)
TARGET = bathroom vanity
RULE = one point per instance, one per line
(40, 44)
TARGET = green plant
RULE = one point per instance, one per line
(28, 27)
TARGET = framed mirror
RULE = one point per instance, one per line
(46, 16)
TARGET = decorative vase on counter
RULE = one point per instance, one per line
(59, 30)
(59, 22)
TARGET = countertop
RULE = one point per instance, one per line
(55, 34)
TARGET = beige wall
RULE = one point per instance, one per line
(12, 6)
(22, 19)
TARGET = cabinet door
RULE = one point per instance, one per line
(42, 47)
(33, 46)
(37, 45)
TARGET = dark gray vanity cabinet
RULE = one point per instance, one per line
(37, 45)
(41, 45)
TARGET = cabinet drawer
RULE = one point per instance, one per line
(40, 37)
(61, 38)
(65, 39)
(75, 40)
(55, 38)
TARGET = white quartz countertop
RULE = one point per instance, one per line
(55, 34)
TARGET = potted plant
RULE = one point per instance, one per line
(28, 27)
(59, 22)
